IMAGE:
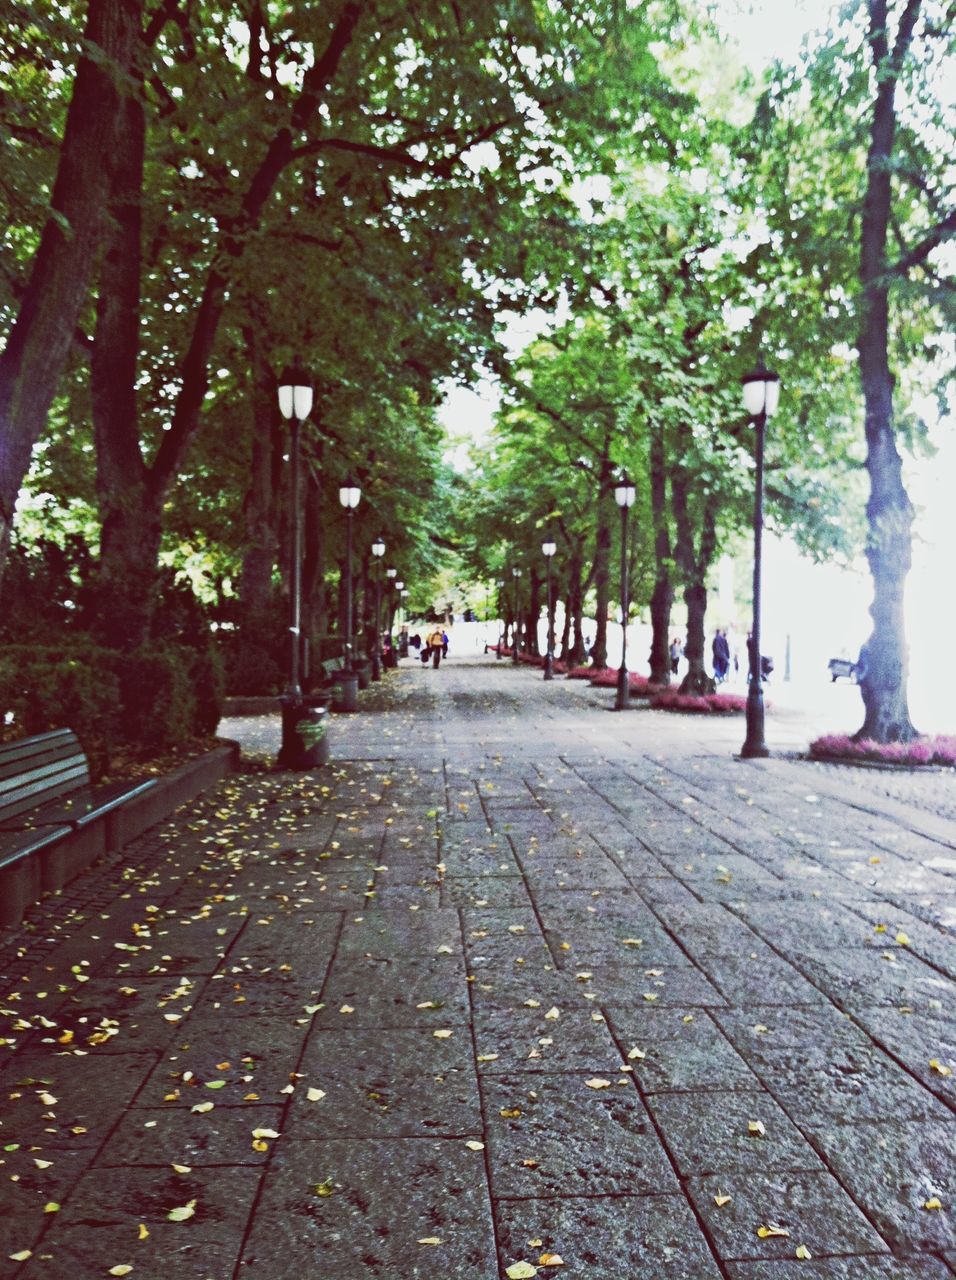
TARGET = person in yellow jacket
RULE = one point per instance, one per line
(435, 645)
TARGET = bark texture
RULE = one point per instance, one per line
(39, 343)
(889, 510)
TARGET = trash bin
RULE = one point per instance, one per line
(305, 737)
(363, 670)
(345, 697)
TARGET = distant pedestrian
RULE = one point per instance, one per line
(721, 654)
(676, 653)
(435, 645)
(444, 644)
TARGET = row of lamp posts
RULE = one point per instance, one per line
(761, 394)
(302, 729)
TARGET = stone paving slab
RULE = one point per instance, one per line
(605, 1238)
(511, 977)
(378, 1208)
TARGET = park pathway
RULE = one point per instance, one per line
(516, 986)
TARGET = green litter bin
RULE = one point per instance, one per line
(305, 733)
(345, 697)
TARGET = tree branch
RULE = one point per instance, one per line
(917, 255)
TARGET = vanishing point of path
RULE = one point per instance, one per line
(516, 986)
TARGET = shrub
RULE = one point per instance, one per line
(940, 750)
(583, 673)
(207, 675)
(72, 685)
(249, 668)
(707, 704)
(607, 679)
(159, 704)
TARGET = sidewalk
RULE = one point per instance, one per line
(515, 977)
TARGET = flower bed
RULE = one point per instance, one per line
(940, 750)
(636, 683)
(709, 704)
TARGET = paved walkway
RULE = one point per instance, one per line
(516, 980)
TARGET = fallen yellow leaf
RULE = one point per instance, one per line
(720, 1200)
(771, 1229)
(472, 1145)
(182, 1168)
(597, 1083)
(902, 939)
(933, 1202)
(756, 1126)
(803, 1252)
(182, 1213)
(441, 1035)
(429, 1240)
(51, 1206)
(123, 1269)
(521, 1271)
(553, 1014)
(939, 1067)
(143, 1231)
(550, 1260)
(636, 1053)
(315, 1095)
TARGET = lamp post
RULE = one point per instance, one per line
(295, 405)
(378, 550)
(761, 390)
(516, 574)
(624, 495)
(349, 495)
(548, 548)
(501, 629)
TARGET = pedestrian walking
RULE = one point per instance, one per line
(720, 649)
(444, 644)
(435, 646)
(676, 652)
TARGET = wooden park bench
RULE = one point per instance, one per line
(52, 821)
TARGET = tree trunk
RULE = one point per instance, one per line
(263, 500)
(602, 568)
(39, 343)
(314, 602)
(662, 597)
(889, 511)
(130, 505)
(533, 616)
(694, 568)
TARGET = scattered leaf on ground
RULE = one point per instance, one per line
(521, 1271)
(803, 1252)
(182, 1213)
(771, 1229)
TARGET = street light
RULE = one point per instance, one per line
(295, 405)
(761, 390)
(516, 574)
(349, 495)
(500, 582)
(624, 495)
(548, 548)
(378, 550)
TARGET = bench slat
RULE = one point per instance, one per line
(36, 787)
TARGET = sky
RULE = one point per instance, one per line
(822, 609)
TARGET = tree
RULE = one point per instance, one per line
(864, 210)
(48, 306)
